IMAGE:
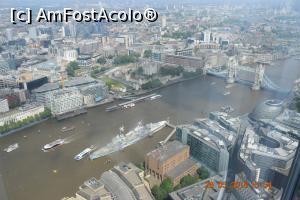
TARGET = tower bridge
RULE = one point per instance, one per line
(260, 79)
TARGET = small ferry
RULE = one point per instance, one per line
(53, 144)
(84, 153)
(11, 147)
(65, 129)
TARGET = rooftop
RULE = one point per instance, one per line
(47, 87)
(198, 190)
(167, 151)
(181, 168)
(79, 81)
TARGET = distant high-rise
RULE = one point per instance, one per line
(207, 36)
(9, 34)
(33, 32)
(72, 29)
(163, 21)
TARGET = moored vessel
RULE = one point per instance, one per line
(122, 140)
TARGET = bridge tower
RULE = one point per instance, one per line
(259, 75)
(232, 70)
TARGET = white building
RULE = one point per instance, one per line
(70, 55)
(4, 105)
(163, 21)
(94, 93)
(207, 35)
(7, 81)
(65, 100)
(28, 110)
(150, 68)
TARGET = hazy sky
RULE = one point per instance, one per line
(15, 3)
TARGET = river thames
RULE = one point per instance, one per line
(29, 173)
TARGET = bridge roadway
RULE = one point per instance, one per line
(267, 83)
(115, 107)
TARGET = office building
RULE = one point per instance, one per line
(184, 52)
(207, 37)
(64, 101)
(94, 93)
(170, 161)
(84, 61)
(254, 192)
(205, 147)
(25, 111)
(163, 21)
(124, 181)
(3, 105)
(8, 81)
(40, 94)
(200, 190)
(186, 61)
(70, 55)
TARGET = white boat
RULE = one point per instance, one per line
(84, 153)
(11, 147)
(54, 144)
(65, 129)
(155, 97)
(130, 105)
(122, 141)
(226, 93)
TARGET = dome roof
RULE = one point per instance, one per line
(267, 110)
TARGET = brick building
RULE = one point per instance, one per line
(170, 161)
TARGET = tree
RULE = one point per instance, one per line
(151, 84)
(171, 71)
(124, 59)
(101, 60)
(188, 180)
(203, 173)
(147, 53)
(159, 193)
(167, 185)
(140, 71)
(71, 67)
(110, 57)
(177, 187)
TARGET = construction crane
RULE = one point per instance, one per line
(62, 78)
